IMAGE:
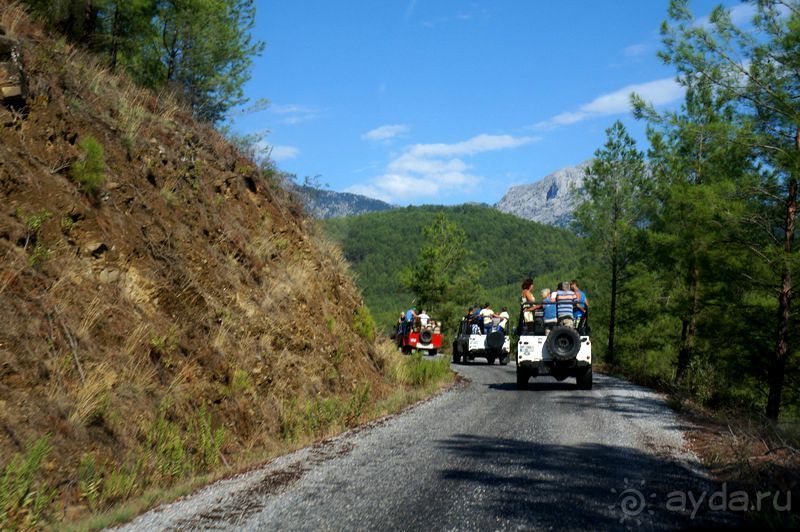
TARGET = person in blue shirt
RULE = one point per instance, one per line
(477, 322)
(581, 304)
(411, 315)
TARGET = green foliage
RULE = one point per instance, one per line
(33, 226)
(171, 457)
(443, 278)
(706, 295)
(22, 499)
(203, 47)
(316, 418)
(89, 480)
(175, 451)
(419, 372)
(207, 440)
(503, 248)
(90, 171)
(363, 323)
(240, 383)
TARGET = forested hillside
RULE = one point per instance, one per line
(693, 237)
(505, 249)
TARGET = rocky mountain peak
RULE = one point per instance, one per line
(551, 200)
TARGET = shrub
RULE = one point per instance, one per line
(90, 171)
(22, 502)
(363, 323)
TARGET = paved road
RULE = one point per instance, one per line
(483, 456)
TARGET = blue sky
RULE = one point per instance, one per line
(448, 101)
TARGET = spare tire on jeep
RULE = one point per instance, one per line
(563, 343)
(495, 341)
(425, 336)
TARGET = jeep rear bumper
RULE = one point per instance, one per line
(549, 367)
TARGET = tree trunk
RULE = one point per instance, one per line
(777, 368)
(689, 324)
(612, 319)
(114, 39)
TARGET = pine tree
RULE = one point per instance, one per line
(442, 279)
(698, 166)
(761, 70)
(617, 187)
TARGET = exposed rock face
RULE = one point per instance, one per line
(322, 203)
(551, 200)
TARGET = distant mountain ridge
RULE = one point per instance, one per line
(322, 204)
(551, 200)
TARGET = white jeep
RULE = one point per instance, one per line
(561, 353)
(469, 344)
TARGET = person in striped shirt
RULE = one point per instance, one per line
(565, 300)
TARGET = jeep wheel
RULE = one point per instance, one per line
(490, 360)
(563, 343)
(504, 360)
(584, 379)
(432, 352)
(522, 379)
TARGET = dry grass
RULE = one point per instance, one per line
(131, 111)
(93, 313)
(14, 265)
(91, 398)
(12, 16)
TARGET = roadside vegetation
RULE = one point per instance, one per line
(692, 239)
(170, 316)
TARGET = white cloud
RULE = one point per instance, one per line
(386, 132)
(428, 171)
(636, 50)
(295, 113)
(283, 153)
(658, 92)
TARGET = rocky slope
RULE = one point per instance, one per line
(165, 307)
(551, 200)
(321, 203)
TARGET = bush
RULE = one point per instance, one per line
(21, 501)
(90, 171)
(363, 323)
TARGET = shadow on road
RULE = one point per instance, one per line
(587, 486)
(535, 386)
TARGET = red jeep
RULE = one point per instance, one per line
(426, 338)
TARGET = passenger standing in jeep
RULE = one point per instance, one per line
(565, 304)
(581, 306)
(487, 314)
(527, 302)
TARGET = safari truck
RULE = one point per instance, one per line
(427, 337)
(470, 343)
(561, 353)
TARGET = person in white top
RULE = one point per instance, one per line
(487, 314)
(503, 320)
(423, 318)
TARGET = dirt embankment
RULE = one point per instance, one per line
(171, 320)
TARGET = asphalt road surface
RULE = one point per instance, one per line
(482, 456)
